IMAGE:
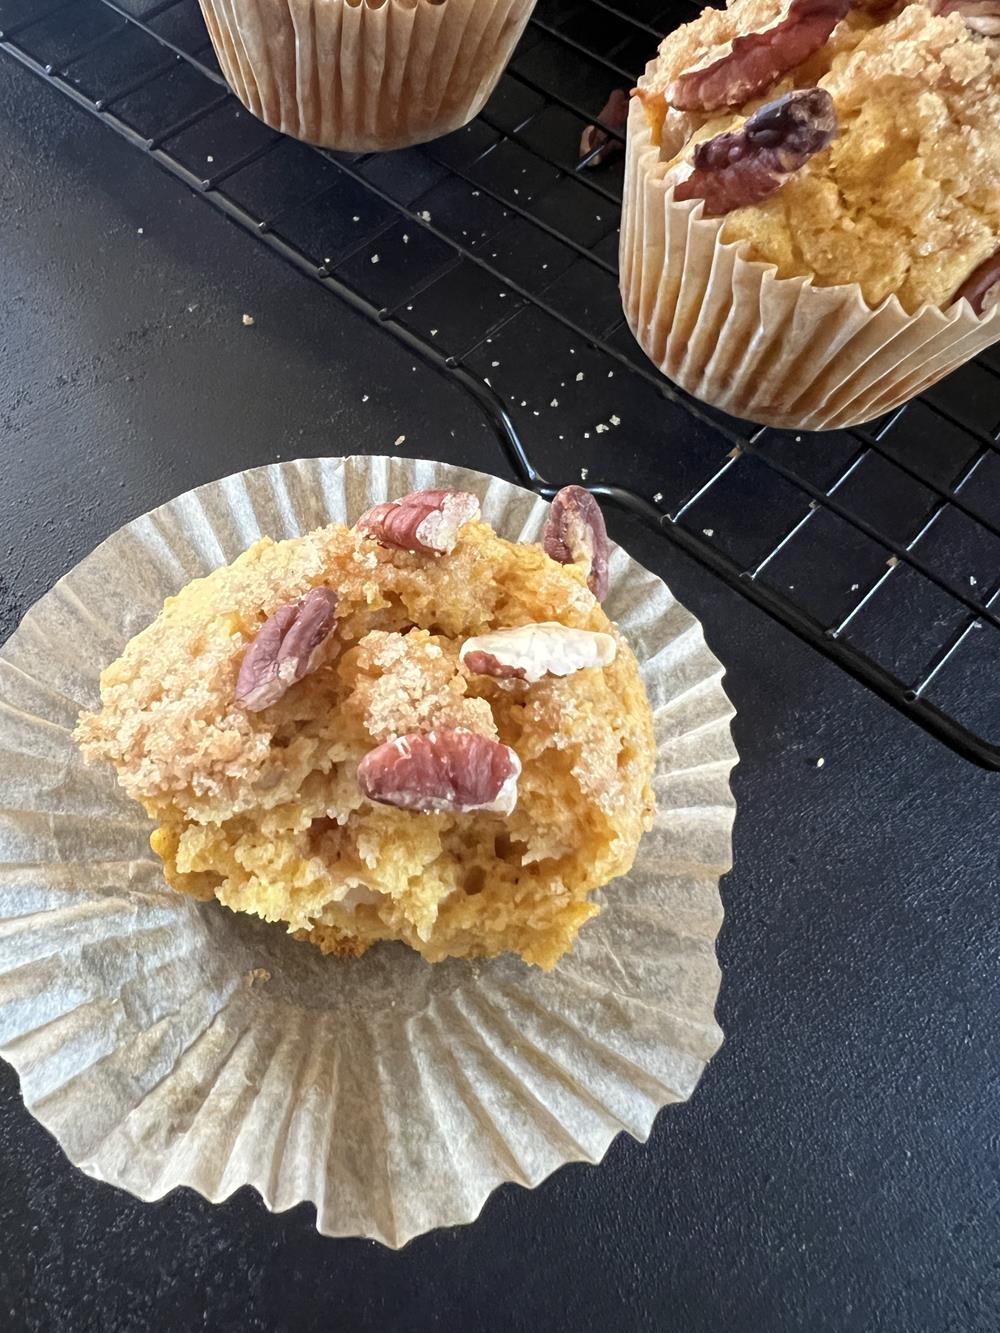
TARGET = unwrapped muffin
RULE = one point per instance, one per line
(812, 216)
(410, 729)
(364, 75)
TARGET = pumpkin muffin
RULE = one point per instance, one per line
(849, 149)
(411, 730)
(364, 75)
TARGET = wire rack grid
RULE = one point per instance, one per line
(492, 253)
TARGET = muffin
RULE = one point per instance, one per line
(411, 729)
(365, 75)
(811, 228)
(166, 1042)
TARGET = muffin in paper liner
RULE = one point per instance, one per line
(166, 1041)
(778, 351)
(364, 76)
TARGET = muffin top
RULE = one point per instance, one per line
(409, 730)
(886, 176)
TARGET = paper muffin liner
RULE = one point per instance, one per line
(166, 1042)
(778, 351)
(363, 76)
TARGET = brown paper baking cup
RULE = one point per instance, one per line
(168, 1042)
(364, 76)
(779, 351)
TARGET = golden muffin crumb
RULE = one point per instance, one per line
(263, 809)
(906, 199)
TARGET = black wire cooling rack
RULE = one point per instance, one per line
(493, 253)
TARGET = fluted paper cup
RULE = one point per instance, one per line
(166, 1041)
(778, 351)
(365, 75)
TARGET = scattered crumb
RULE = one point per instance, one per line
(406, 238)
(486, 380)
(583, 473)
(893, 561)
(658, 497)
(611, 374)
(535, 412)
(501, 295)
(972, 580)
(798, 439)
(248, 320)
(554, 403)
(475, 194)
(256, 974)
(374, 259)
(399, 440)
(855, 587)
(579, 376)
(424, 216)
(364, 398)
(433, 333)
(562, 437)
(615, 421)
(819, 762)
(355, 218)
(209, 158)
(140, 231)
(600, 428)
(709, 532)
(494, 363)
(586, 434)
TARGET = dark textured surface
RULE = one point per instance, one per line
(837, 1168)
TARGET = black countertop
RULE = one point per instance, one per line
(837, 1167)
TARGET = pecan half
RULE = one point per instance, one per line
(744, 166)
(285, 648)
(597, 144)
(529, 652)
(982, 16)
(425, 521)
(758, 59)
(982, 287)
(575, 535)
(442, 771)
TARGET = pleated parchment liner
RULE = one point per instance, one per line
(777, 351)
(392, 1094)
(364, 76)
